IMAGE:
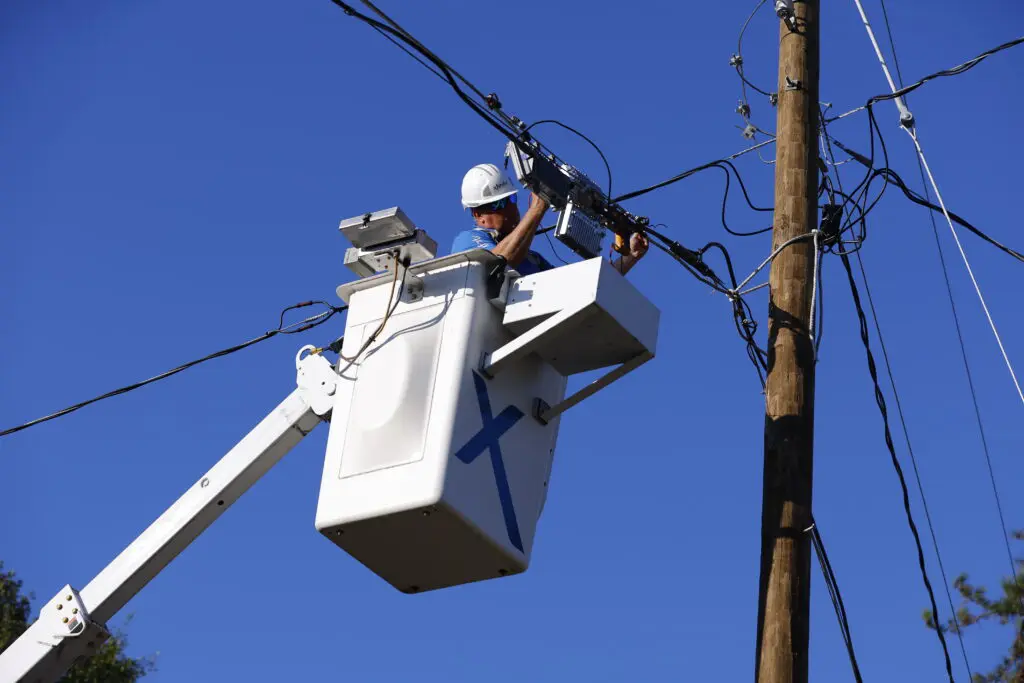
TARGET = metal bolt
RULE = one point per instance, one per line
(65, 620)
(204, 483)
(426, 513)
(74, 611)
(339, 532)
(59, 606)
(68, 597)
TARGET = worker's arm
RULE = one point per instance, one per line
(516, 246)
(638, 245)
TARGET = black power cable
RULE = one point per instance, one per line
(832, 584)
(891, 176)
(954, 71)
(967, 367)
(743, 317)
(294, 328)
(880, 400)
(896, 395)
(490, 110)
(491, 103)
(686, 174)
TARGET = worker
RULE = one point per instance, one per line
(491, 197)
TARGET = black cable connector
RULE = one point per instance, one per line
(831, 221)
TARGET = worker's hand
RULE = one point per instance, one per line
(538, 204)
(638, 245)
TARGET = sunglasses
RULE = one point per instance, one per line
(496, 205)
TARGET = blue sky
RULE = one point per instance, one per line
(173, 176)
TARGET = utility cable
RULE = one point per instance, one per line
(880, 400)
(893, 177)
(923, 162)
(295, 328)
(906, 434)
(743, 317)
(913, 461)
(995, 332)
(408, 37)
(923, 166)
(409, 52)
(954, 71)
(970, 385)
(963, 355)
(490, 111)
(690, 172)
(727, 167)
(489, 108)
(967, 263)
(904, 112)
(892, 46)
(832, 584)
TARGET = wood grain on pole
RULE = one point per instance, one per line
(784, 597)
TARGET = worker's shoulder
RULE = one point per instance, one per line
(474, 238)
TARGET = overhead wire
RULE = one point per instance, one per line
(743, 318)
(880, 400)
(970, 270)
(893, 177)
(294, 328)
(859, 197)
(963, 355)
(905, 428)
(409, 52)
(923, 167)
(832, 585)
(489, 110)
(953, 71)
(725, 161)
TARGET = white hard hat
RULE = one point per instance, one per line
(485, 183)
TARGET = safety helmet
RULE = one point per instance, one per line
(485, 183)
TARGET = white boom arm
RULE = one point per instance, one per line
(71, 624)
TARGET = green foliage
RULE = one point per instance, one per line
(109, 665)
(1007, 609)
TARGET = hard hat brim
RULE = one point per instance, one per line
(487, 200)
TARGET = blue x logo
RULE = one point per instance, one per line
(487, 439)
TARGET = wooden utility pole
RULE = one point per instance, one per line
(783, 620)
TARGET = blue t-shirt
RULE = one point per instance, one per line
(482, 238)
